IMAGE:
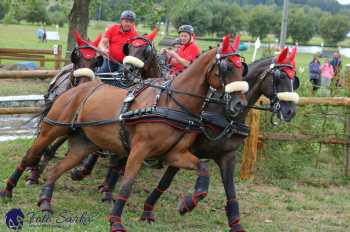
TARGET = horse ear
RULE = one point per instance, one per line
(293, 54)
(236, 42)
(225, 44)
(78, 38)
(282, 56)
(97, 40)
(153, 34)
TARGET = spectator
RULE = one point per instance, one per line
(315, 73)
(327, 73)
(336, 63)
(44, 36)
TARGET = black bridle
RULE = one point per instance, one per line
(148, 51)
(275, 106)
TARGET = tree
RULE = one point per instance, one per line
(301, 27)
(78, 21)
(195, 14)
(3, 9)
(333, 29)
(57, 15)
(35, 11)
(260, 21)
(16, 8)
(226, 18)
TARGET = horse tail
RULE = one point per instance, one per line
(40, 115)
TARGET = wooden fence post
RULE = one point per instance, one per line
(250, 149)
(347, 147)
(58, 57)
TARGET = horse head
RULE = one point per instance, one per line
(85, 55)
(280, 85)
(225, 75)
(140, 54)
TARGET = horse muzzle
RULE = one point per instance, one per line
(287, 111)
(234, 105)
(133, 61)
(237, 86)
(288, 97)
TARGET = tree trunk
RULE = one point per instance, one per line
(78, 21)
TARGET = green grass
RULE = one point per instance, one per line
(264, 207)
(10, 38)
(296, 188)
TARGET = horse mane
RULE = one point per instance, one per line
(257, 66)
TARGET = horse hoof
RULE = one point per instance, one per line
(237, 228)
(77, 175)
(117, 227)
(107, 197)
(45, 207)
(5, 194)
(186, 205)
(31, 182)
(148, 216)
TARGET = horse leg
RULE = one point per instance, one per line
(226, 165)
(48, 154)
(88, 164)
(133, 165)
(79, 147)
(32, 157)
(152, 199)
(200, 189)
(115, 170)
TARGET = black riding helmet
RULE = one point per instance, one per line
(186, 28)
(128, 14)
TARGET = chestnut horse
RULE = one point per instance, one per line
(84, 56)
(274, 78)
(95, 115)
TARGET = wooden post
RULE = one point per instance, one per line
(58, 57)
(250, 149)
(20, 110)
(42, 74)
(347, 147)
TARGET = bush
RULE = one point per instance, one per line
(198, 17)
(333, 29)
(260, 21)
(35, 11)
(301, 27)
(57, 18)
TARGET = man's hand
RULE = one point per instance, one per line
(172, 54)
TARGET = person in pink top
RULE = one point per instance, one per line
(327, 73)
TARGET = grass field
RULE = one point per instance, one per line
(10, 38)
(294, 189)
(282, 206)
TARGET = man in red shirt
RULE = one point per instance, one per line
(114, 39)
(186, 53)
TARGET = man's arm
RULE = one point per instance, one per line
(104, 44)
(181, 60)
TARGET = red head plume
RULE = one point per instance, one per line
(291, 57)
(78, 38)
(88, 53)
(226, 48)
(97, 40)
(282, 56)
(153, 34)
(236, 42)
(225, 44)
